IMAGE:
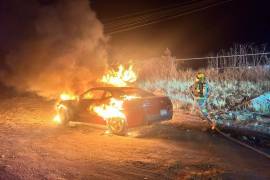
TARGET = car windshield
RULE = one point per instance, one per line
(135, 92)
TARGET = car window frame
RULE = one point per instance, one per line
(102, 97)
(138, 89)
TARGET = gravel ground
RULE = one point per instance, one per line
(32, 147)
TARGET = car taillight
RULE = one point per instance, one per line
(146, 104)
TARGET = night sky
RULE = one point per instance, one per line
(198, 34)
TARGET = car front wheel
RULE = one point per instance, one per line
(65, 115)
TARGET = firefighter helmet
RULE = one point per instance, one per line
(200, 76)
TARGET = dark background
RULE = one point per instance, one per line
(195, 35)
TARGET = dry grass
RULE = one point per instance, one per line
(160, 75)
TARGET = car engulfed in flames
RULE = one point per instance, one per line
(117, 106)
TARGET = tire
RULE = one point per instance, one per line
(66, 116)
(117, 126)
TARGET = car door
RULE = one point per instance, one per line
(90, 98)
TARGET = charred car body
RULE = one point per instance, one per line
(138, 107)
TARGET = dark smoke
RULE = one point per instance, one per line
(50, 46)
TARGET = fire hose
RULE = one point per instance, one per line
(211, 122)
(234, 139)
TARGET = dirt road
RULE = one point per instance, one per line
(32, 147)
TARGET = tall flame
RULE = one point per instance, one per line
(121, 77)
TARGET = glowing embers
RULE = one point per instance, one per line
(120, 77)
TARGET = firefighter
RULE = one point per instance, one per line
(200, 92)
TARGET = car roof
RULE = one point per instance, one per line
(114, 89)
(110, 88)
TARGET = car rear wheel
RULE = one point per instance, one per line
(117, 126)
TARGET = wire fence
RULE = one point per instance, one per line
(248, 60)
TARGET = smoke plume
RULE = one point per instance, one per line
(50, 46)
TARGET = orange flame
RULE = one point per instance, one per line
(58, 118)
(68, 96)
(63, 97)
(112, 110)
(121, 77)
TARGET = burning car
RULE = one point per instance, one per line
(118, 108)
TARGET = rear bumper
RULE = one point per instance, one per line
(153, 118)
(140, 118)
